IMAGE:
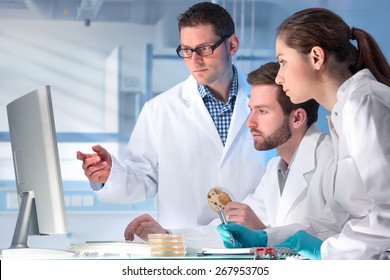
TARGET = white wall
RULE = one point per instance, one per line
(68, 56)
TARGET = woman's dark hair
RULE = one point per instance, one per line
(208, 13)
(321, 27)
(266, 74)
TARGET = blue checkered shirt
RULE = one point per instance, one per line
(220, 112)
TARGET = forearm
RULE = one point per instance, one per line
(127, 184)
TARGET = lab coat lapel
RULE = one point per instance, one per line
(198, 112)
(296, 187)
(272, 193)
(294, 191)
(240, 114)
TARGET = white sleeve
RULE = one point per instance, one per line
(256, 202)
(135, 179)
(201, 237)
(362, 182)
(256, 199)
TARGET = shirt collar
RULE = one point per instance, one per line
(283, 167)
(205, 91)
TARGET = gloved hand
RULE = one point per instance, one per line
(244, 237)
(304, 244)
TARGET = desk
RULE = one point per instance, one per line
(130, 250)
(137, 251)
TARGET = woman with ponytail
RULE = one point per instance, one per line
(343, 69)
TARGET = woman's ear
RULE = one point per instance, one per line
(299, 118)
(317, 57)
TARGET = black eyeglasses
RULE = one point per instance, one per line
(202, 51)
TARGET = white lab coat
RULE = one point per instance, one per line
(360, 127)
(307, 194)
(307, 189)
(176, 153)
(308, 183)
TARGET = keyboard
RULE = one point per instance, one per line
(110, 249)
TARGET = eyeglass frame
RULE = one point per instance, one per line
(212, 47)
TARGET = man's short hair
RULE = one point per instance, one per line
(205, 13)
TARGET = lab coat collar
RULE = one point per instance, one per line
(240, 114)
(199, 113)
(301, 170)
(345, 90)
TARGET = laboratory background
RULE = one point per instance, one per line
(103, 59)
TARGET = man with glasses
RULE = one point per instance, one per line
(190, 138)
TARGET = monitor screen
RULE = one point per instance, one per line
(37, 170)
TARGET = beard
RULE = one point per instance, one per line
(277, 138)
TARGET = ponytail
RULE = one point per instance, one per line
(370, 56)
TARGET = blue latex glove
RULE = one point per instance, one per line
(304, 244)
(244, 237)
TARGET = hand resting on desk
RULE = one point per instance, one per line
(142, 226)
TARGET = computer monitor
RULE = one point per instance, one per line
(37, 172)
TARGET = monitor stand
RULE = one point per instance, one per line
(19, 246)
